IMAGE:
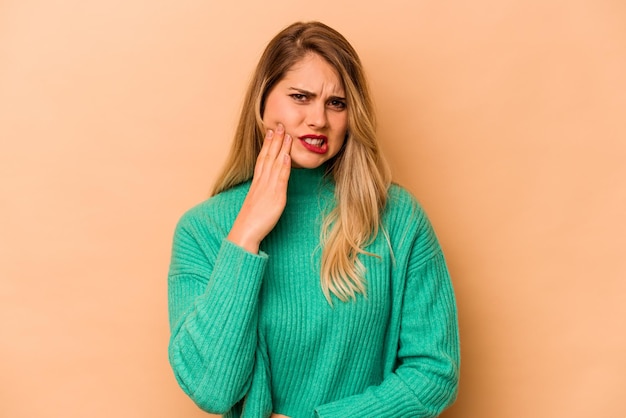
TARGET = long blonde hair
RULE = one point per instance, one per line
(359, 170)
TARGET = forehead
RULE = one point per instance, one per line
(314, 73)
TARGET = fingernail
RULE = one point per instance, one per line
(280, 128)
(287, 138)
(270, 133)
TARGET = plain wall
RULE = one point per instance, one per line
(505, 118)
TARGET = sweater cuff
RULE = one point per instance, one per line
(244, 268)
(384, 401)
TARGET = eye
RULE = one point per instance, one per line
(337, 104)
(298, 97)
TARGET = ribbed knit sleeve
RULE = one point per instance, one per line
(425, 378)
(213, 289)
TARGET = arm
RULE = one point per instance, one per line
(426, 376)
(214, 285)
(213, 315)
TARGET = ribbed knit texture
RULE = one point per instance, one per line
(252, 334)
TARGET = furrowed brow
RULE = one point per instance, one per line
(302, 91)
(311, 94)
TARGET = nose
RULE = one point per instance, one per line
(316, 116)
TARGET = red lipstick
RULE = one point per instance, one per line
(315, 143)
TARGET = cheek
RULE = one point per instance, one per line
(340, 122)
(270, 108)
(278, 109)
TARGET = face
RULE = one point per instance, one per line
(310, 102)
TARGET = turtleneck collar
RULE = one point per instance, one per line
(308, 182)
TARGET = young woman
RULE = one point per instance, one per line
(308, 284)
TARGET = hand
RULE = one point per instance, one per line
(278, 416)
(267, 196)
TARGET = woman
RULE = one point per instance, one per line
(308, 285)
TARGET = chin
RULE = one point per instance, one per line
(307, 161)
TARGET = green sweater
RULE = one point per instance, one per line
(253, 333)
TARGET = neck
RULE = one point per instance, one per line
(305, 181)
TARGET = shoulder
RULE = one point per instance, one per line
(403, 207)
(408, 225)
(398, 195)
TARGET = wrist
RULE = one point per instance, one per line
(243, 239)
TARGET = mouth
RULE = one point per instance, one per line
(315, 143)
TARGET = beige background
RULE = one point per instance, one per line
(506, 118)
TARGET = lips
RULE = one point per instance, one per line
(315, 143)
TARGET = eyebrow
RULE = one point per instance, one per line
(311, 94)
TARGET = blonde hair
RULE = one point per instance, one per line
(359, 170)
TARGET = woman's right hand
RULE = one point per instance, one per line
(267, 196)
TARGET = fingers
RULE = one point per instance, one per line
(267, 196)
(281, 160)
(271, 157)
(284, 161)
(286, 145)
(276, 143)
(285, 171)
(260, 160)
